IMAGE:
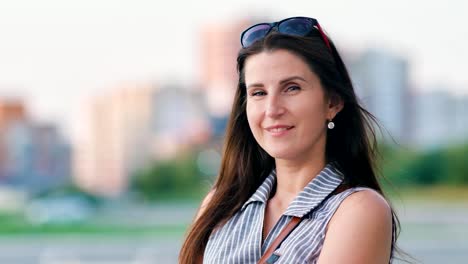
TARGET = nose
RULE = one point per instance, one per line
(274, 107)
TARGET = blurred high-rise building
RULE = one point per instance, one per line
(433, 117)
(11, 111)
(439, 118)
(461, 119)
(116, 131)
(132, 126)
(179, 120)
(381, 83)
(219, 47)
(39, 157)
(33, 156)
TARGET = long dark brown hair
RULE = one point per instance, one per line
(352, 144)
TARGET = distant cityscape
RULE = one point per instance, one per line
(131, 126)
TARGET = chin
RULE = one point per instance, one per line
(285, 154)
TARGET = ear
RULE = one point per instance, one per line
(335, 105)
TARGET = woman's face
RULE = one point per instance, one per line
(286, 106)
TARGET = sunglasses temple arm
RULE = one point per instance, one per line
(324, 36)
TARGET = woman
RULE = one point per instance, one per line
(298, 148)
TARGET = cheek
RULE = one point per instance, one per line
(253, 117)
(316, 117)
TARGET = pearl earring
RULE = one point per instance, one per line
(331, 125)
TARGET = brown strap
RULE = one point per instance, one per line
(341, 188)
(289, 228)
(283, 234)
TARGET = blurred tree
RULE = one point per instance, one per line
(170, 179)
(430, 168)
(401, 166)
(457, 169)
(394, 164)
(443, 166)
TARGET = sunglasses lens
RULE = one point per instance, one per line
(254, 33)
(296, 26)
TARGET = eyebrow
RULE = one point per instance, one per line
(281, 82)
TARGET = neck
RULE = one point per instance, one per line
(293, 176)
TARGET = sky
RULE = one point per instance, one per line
(56, 53)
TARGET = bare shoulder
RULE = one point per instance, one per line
(369, 203)
(204, 203)
(360, 231)
(365, 208)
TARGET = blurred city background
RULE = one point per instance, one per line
(112, 115)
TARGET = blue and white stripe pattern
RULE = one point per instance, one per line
(239, 241)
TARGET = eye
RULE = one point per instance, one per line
(293, 88)
(257, 93)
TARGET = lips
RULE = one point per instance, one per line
(278, 129)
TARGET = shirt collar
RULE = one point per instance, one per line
(316, 191)
(310, 197)
(263, 192)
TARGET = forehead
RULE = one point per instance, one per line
(273, 66)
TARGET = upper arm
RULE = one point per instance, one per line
(205, 202)
(360, 231)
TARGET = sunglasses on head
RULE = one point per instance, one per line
(296, 26)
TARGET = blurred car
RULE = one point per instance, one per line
(59, 210)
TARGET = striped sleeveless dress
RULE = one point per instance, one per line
(239, 241)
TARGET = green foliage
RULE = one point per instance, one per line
(181, 179)
(395, 164)
(429, 168)
(457, 172)
(443, 166)
(170, 179)
(16, 224)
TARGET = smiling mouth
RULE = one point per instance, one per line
(279, 129)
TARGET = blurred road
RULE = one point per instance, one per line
(431, 232)
(434, 232)
(35, 250)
